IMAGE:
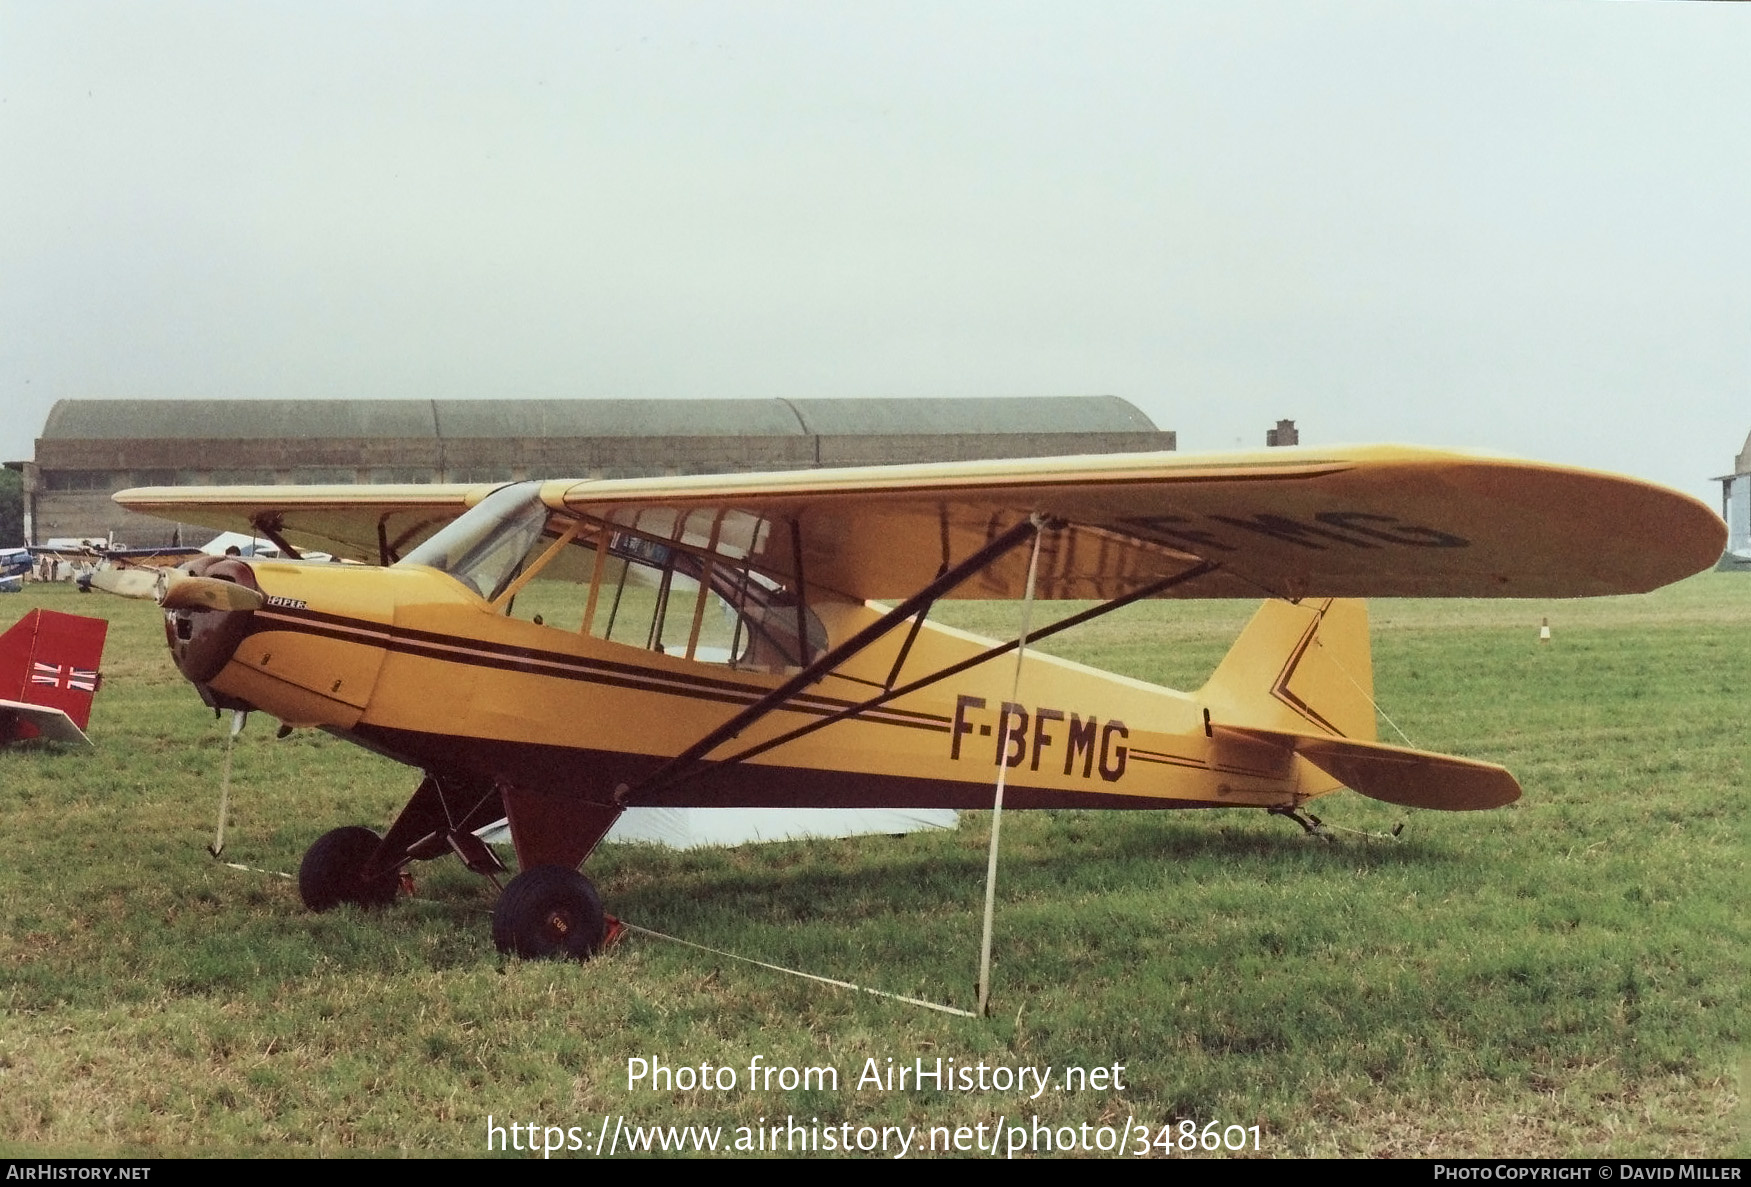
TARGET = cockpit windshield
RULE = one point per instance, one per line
(486, 547)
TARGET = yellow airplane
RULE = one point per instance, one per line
(555, 652)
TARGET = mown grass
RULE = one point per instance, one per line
(1565, 976)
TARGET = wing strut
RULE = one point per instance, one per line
(269, 524)
(990, 653)
(680, 767)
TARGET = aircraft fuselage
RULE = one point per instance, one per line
(411, 663)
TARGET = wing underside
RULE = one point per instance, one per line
(360, 523)
(1363, 522)
(1375, 521)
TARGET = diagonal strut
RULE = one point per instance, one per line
(954, 669)
(678, 767)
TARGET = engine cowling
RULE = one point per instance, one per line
(202, 641)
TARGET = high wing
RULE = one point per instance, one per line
(1371, 521)
(1361, 521)
(375, 524)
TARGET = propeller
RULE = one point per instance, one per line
(176, 590)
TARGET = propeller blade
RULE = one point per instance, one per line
(130, 583)
(209, 593)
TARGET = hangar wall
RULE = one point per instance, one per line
(92, 448)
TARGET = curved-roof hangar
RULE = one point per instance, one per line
(91, 448)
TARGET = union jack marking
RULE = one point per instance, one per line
(64, 676)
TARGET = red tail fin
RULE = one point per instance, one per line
(49, 658)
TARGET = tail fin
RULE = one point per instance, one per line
(50, 659)
(1300, 677)
(1299, 668)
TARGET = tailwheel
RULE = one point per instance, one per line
(333, 872)
(549, 912)
(1311, 824)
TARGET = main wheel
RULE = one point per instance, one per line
(333, 872)
(549, 912)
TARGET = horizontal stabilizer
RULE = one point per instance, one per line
(20, 722)
(1397, 774)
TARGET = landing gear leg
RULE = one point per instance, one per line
(441, 818)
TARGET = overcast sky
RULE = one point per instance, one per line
(1515, 226)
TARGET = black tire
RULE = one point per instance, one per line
(549, 913)
(331, 874)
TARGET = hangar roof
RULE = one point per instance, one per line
(1019, 414)
(111, 420)
(452, 419)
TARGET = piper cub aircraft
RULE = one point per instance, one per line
(555, 652)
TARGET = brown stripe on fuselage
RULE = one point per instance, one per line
(564, 770)
(506, 657)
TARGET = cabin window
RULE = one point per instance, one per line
(678, 583)
(552, 586)
(650, 596)
(682, 583)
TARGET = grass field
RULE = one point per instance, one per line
(1565, 976)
